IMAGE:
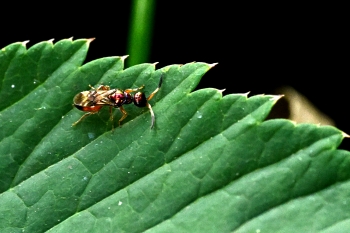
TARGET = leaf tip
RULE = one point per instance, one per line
(124, 57)
(222, 90)
(294, 123)
(51, 40)
(212, 65)
(345, 135)
(90, 40)
(24, 43)
(246, 94)
(275, 98)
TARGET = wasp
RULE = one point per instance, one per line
(93, 100)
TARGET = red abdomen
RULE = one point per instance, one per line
(94, 108)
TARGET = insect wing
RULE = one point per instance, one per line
(82, 99)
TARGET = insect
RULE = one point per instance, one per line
(93, 100)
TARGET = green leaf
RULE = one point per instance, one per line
(210, 164)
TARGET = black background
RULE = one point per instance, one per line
(259, 47)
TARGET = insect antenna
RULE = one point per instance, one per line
(150, 97)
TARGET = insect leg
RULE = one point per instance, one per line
(152, 114)
(122, 110)
(156, 90)
(103, 87)
(111, 117)
(81, 118)
(134, 89)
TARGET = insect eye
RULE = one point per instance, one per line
(140, 99)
